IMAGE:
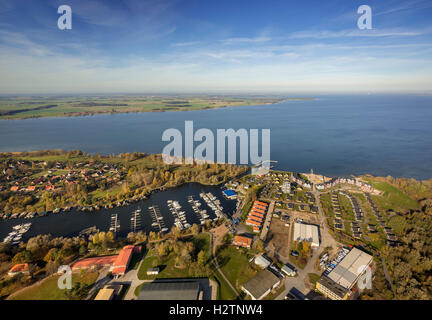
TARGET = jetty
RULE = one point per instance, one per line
(157, 220)
(214, 204)
(200, 213)
(136, 221)
(179, 216)
(115, 223)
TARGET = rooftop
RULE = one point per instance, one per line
(96, 261)
(334, 287)
(22, 267)
(350, 268)
(306, 232)
(122, 261)
(105, 294)
(261, 283)
(181, 290)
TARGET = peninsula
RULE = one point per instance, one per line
(22, 107)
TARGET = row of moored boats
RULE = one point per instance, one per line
(179, 215)
(213, 203)
(17, 233)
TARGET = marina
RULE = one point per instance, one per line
(70, 223)
(213, 203)
(17, 233)
(180, 220)
(200, 213)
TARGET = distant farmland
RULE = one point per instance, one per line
(35, 107)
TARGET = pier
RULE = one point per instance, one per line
(136, 221)
(157, 220)
(115, 223)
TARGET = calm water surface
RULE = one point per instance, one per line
(70, 223)
(334, 135)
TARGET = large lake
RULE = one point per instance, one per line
(334, 135)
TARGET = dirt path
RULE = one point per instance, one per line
(215, 263)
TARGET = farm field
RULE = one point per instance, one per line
(35, 107)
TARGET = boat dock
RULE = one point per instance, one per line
(115, 223)
(157, 220)
(179, 216)
(214, 204)
(200, 213)
(136, 221)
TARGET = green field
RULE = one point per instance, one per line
(234, 263)
(393, 198)
(48, 288)
(30, 107)
(167, 264)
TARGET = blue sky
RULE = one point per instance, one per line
(142, 46)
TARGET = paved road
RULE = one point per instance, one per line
(267, 221)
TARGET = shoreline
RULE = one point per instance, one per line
(96, 113)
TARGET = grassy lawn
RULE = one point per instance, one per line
(48, 289)
(313, 278)
(346, 208)
(326, 204)
(167, 264)
(393, 198)
(224, 290)
(397, 223)
(276, 293)
(137, 290)
(234, 263)
(135, 260)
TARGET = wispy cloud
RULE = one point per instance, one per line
(19, 40)
(245, 40)
(408, 5)
(326, 34)
(185, 44)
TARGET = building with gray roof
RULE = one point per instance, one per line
(181, 290)
(261, 284)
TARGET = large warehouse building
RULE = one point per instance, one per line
(307, 232)
(339, 283)
(179, 290)
(261, 284)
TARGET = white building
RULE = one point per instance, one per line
(307, 232)
(289, 270)
(262, 261)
